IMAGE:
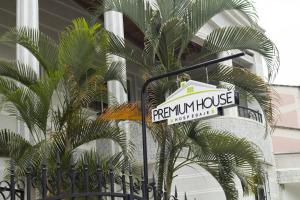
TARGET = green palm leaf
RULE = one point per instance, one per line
(53, 105)
(83, 131)
(116, 71)
(125, 49)
(239, 37)
(168, 27)
(12, 144)
(77, 48)
(172, 9)
(223, 155)
(44, 48)
(226, 156)
(210, 8)
(140, 12)
(18, 72)
(251, 85)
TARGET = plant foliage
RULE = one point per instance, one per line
(53, 105)
(169, 27)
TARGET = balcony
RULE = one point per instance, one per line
(250, 114)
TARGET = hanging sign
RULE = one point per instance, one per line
(193, 100)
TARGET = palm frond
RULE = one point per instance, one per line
(251, 85)
(172, 8)
(210, 8)
(223, 155)
(125, 49)
(44, 48)
(83, 131)
(77, 48)
(140, 12)
(222, 173)
(248, 179)
(12, 144)
(93, 92)
(242, 38)
(96, 161)
(158, 90)
(44, 90)
(170, 42)
(18, 104)
(33, 157)
(30, 104)
(156, 131)
(18, 71)
(76, 74)
(242, 150)
(116, 71)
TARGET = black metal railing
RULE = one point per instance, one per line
(78, 183)
(250, 114)
(12, 189)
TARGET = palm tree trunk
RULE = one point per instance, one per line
(170, 169)
(169, 181)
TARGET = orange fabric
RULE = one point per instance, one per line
(123, 112)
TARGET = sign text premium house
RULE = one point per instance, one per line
(193, 100)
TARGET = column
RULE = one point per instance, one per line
(113, 22)
(27, 15)
(232, 111)
(259, 66)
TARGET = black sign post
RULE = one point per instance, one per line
(143, 106)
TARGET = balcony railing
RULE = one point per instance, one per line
(250, 114)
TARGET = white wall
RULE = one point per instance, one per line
(291, 192)
(286, 141)
(199, 184)
(3, 166)
(286, 161)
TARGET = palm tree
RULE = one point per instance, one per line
(53, 106)
(222, 154)
(168, 27)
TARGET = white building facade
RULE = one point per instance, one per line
(286, 141)
(51, 16)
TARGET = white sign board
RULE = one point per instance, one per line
(193, 100)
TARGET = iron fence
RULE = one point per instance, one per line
(12, 189)
(78, 184)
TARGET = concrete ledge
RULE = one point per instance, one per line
(289, 175)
